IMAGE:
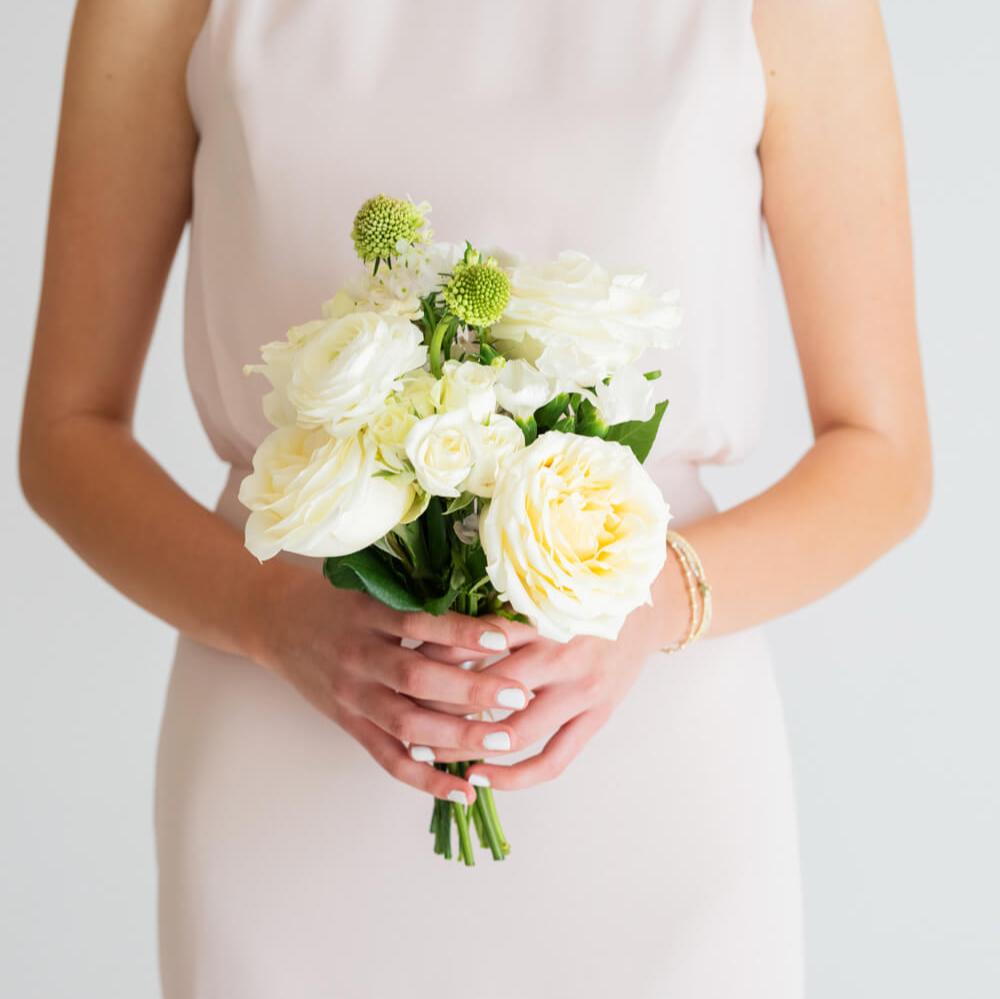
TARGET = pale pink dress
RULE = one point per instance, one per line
(663, 863)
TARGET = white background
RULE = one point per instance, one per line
(891, 684)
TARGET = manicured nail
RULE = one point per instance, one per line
(422, 754)
(479, 780)
(458, 797)
(468, 664)
(512, 697)
(496, 740)
(496, 641)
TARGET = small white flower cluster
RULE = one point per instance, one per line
(368, 428)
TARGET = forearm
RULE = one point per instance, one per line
(851, 498)
(105, 495)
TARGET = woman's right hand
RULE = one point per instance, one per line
(341, 649)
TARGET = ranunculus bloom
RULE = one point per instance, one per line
(317, 495)
(575, 535)
(578, 322)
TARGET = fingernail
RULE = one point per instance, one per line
(496, 641)
(458, 797)
(511, 697)
(496, 740)
(422, 754)
(468, 664)
(479, 780)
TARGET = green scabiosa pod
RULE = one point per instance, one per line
(478, 290)
(384, 227)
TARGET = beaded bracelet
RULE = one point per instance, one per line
(698, 590)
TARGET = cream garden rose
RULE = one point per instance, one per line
(574, 320)
(575, 535)
(318, 495)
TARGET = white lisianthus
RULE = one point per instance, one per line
(628, 396)
(521, 389)
(575, 535)
(442, 450)
(467, 385)
(277, 368)
(396, 290)
(342, 372)
(317, 495)
(498, 440)
(572, 303)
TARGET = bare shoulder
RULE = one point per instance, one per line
(821, 51)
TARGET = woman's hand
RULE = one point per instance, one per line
(341, 650)
(576, 685)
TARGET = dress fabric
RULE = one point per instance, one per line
(663, 862)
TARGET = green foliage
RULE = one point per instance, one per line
(638, 434)
(369, 571)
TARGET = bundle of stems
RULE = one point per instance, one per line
(482, 815)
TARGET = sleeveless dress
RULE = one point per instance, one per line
(663, 863)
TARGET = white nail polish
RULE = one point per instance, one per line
(468, 664)
(458, 797)
(496, 740)
(422, 754)
(511, 697)
(496, 641)
(479, 780)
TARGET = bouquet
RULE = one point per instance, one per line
(464, 431)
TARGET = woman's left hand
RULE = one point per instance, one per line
(576, 684)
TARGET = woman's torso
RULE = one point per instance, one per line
(628, 131)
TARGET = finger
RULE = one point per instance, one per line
(466, 658)
(422, 729)
(452, 629)
(542, 663)
(550, 710)
(416, 676)
(558, 753)
(517, 632)
(393, 758)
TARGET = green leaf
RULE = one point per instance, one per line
(437, 537)
(367, 571)
(459, 503)
(547, 415)
(637, 434)
(651, 376)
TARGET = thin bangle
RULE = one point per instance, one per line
(698, 590)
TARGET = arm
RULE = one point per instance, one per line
(121, 197)
(836, 207)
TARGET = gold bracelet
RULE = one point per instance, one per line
(698, 590)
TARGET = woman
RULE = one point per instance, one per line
(663, 861)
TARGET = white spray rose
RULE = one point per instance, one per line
(572, 303)
(467, 385)
(418, 392)
(575, 535)
(315, 495)
(521, 389)
(628, 396)
(498, 440)
(442, 450)
(342, 372)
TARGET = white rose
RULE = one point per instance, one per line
(343, 371)
(498, 440)
(575, 535)
(316, 495)
(628, 396)
(521, 389)
(467, 385)
(572, 302)
(442, 450)
(389, 428)
(418, 391)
